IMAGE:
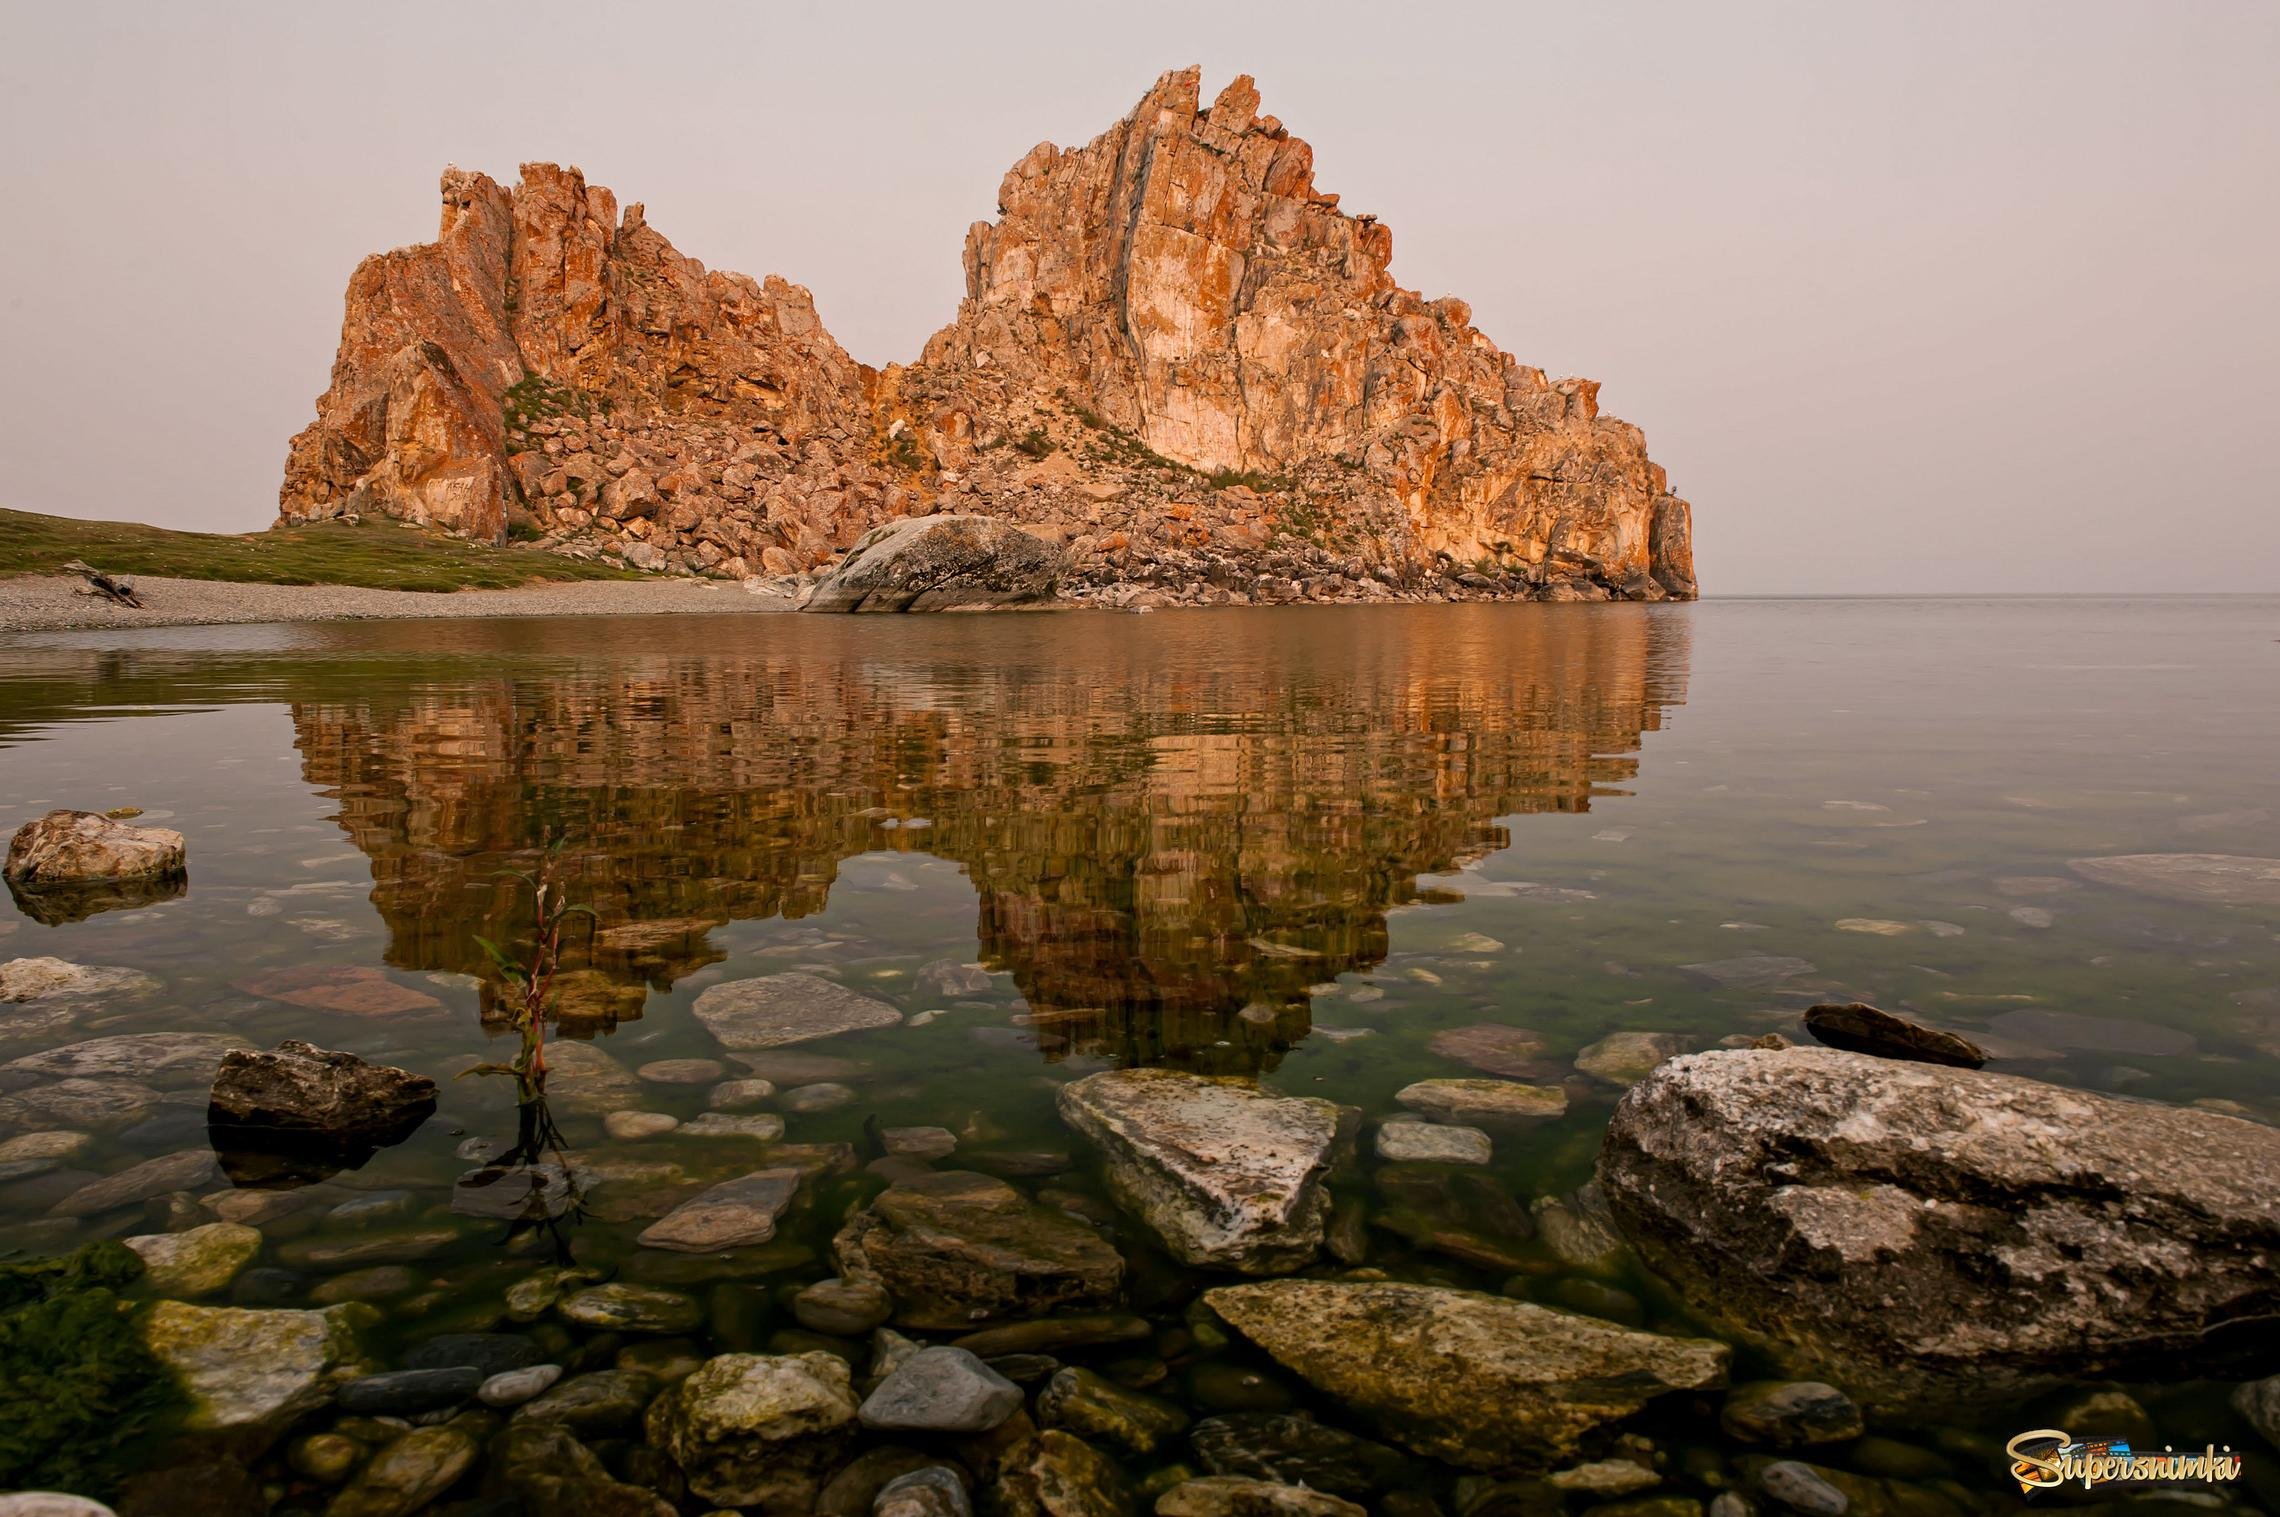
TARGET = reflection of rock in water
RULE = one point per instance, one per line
(1169, 845)
(61, 905)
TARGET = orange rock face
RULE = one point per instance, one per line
(1176, 356)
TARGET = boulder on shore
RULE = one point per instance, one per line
(1480, 1381)
(940, 563)
(1228, 1176)
(298, 1090)
(1921, 1235)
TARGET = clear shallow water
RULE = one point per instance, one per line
(1293, 842)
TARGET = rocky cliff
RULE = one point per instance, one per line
(1176, 357)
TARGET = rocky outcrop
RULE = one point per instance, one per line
(1227, 1176)
(1923, 1235)
(1479, 1381)
(940, 563)
(1176, 356)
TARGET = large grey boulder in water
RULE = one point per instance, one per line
(1922, 1235)
(940, 563)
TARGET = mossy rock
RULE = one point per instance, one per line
(82, 1399)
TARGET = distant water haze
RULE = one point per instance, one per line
(1924, 297)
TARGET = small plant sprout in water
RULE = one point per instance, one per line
(529, 979)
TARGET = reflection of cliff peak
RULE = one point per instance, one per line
(1159, 835)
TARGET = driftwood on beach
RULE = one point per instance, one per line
(121, 591)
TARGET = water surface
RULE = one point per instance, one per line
(1296, 843)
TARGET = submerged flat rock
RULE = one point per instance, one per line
(41, 979)
(1228, 1176)
(128, 1056)
(731, 1214)
(1921, 1235)
(2220, 879)
(772, 1010)
(1480, 1381)
(957, 1249)
(1483, 1102)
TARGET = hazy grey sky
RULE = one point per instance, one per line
(1914, 296)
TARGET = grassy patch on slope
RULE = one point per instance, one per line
(383, 555)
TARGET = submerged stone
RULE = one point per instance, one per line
(128, 1056)
(197, 1262)
(957, 1249)
(407, 1475)
(778, 1009)
(1095, 1407)
(1789, 1414)
(1293, 1449)
(1623, 1058)
(1483, 1102)
(1234, 1496)
(941, 1390)
(1479, 1381)
(1228, 1176)
(758, 1430)
(731, 1214)
(2218, 879)
(245, 1368)
(1493, 1048)
(633, 1309)
(1432, 1143)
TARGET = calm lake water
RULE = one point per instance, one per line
(1295, 842)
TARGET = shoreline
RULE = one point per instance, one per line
(54, 603)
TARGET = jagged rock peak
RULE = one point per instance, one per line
(1176, 356)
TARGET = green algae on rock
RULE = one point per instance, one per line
(81, 1395)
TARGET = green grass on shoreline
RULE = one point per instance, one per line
(382, 555)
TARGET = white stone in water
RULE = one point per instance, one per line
(1403, 1142)
(40, 979)
(771, 1011)
(638, 1124)
(764, 1127)
(36, 1153)
(919, 1142)
(735, 1095)
(822, 1096)
(682, 1071)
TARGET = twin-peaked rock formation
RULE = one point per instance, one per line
(1176, 357)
